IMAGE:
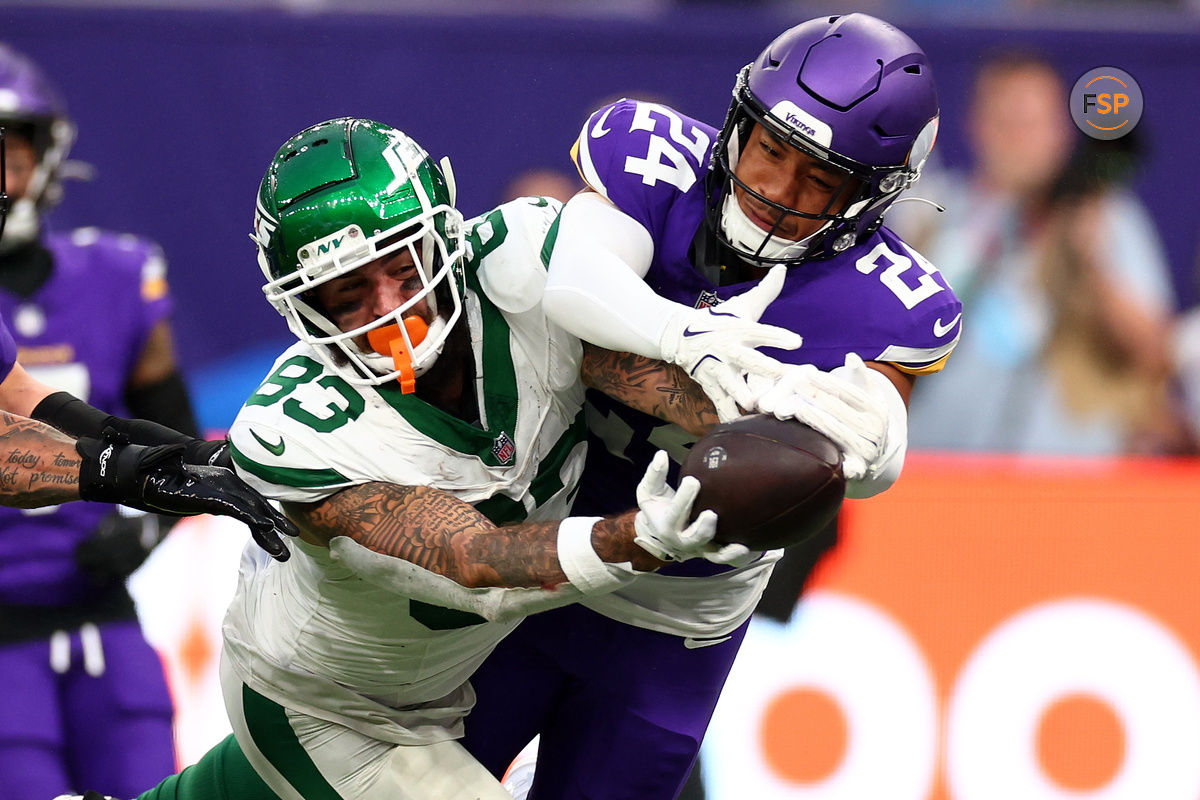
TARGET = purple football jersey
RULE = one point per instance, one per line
(879, 299)
(82, 331)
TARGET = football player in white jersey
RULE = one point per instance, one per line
(426, 435)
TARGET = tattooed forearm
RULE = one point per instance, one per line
(437, 532)
(612, 539)
(444, 535)
(654, 387)
(38, 464)
(527, 554)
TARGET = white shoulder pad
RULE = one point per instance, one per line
(275, 453)
(513, 275)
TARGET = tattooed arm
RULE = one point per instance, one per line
(444, 535)
(655, 387)
(38, 464)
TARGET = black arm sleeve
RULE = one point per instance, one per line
(76, 418)
(71, 415)
(166, 402)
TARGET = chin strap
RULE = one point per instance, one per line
(390, 341)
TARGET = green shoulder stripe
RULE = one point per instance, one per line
(288, 476)
(551, 238)
(488, 233)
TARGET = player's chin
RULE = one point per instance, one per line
(771, 225)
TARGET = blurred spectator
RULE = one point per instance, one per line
(1066, 293)
(1186, 351)
(542, 182)
(84, 702)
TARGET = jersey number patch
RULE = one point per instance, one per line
(893, 276)
(299, 370)
(664, 161)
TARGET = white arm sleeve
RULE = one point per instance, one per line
(594, 288)
(885, 469)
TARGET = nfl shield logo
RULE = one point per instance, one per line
(503, 448)
(707, 299)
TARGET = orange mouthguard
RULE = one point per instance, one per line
(388, 341)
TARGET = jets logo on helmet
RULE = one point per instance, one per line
(264, 226)
(348, 244)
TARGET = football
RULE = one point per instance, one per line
(772, 482)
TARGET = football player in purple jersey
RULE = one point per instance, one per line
(827, 127)
(70, 644)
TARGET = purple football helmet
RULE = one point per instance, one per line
(32, 108)
(854, 93)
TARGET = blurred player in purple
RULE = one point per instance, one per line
(88, 311)
(827, 127)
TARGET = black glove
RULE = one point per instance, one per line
(119, 545)
(160, 480)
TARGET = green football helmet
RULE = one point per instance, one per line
(337, 196)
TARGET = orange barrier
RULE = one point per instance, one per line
(988, 628)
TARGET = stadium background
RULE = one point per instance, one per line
(988, 629)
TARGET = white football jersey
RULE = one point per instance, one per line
(308, 632)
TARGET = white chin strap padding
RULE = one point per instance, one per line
(747, 237)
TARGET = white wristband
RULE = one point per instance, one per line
(583, 568)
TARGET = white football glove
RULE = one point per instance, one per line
(661, 525)
(841, 404)
(717, 345)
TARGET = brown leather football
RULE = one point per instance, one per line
(772, 482)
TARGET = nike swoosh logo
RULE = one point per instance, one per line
(940, 330)
(712, 312)
(273, 449)
(598, 130)
(703, 358)
(695, 644)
